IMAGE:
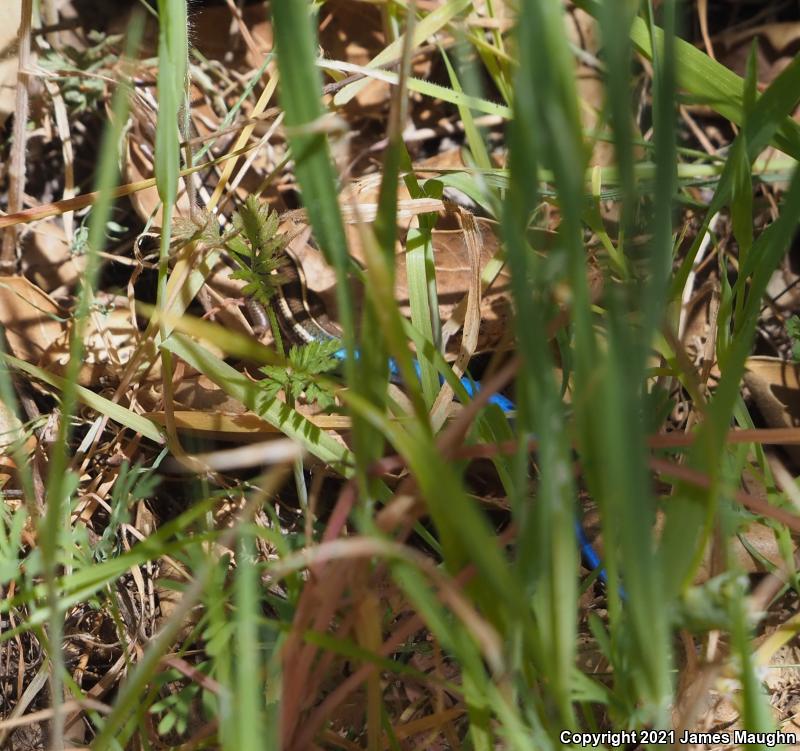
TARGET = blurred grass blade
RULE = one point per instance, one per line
(629, 496)
(546, 126)
(742, 188)
(373, 362)
(615, 19)
(250, 692)
(477, 146)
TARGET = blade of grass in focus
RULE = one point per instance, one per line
(546, 129)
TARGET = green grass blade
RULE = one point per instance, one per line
(424, 87)
(476, 143)
(300, 98)
(422, 296)
(173, 58)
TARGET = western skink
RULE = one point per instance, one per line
(301, 323)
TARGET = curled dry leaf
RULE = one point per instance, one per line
(110, 340)
(453, 274)
(774, 385)
(776, 46)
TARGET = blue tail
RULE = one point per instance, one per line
(588, 554)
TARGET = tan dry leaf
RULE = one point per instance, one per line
(11, 431)
(453, 276)
(49, 261)
(10, 427)
(216, 34)
(761, 539)
(32, 321)
(353, 32)
(224, 292)
(776, 45)
(774, 385)
(453, 272)
(38, 332)
(111, 337)
(10, 13)
(191, 392)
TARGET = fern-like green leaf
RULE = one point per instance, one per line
(257, 247)
(299, 378)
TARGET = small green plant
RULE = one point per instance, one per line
(257, 247)
(80, 241)
(299, 376)
(793, 330)
(134, 484)
(259, 254)
(82, 85)
(12, 527)
(181, 703)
